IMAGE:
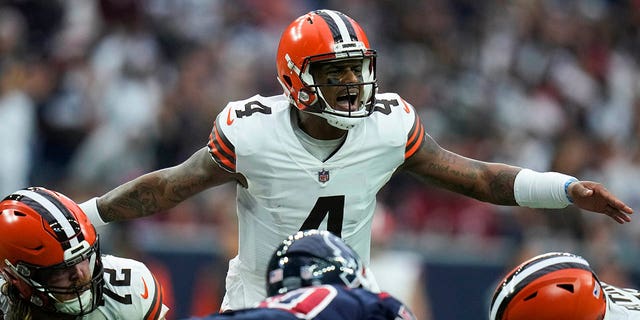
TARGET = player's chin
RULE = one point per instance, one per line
(346, 108)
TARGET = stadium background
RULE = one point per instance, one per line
(96, 92)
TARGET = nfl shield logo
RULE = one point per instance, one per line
(323, 175)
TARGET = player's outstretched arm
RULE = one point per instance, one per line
(159, 190)
(480, 180)
(593, 196)
(503, 184)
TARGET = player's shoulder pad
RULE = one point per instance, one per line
(238, 113)
(240, 123)
(392, 112)
(130, 288)
(399, 309)
(390, 103)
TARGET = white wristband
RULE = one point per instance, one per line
(542, 189)
(90, 208)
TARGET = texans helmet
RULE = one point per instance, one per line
(314, 257)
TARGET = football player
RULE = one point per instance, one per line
(51, 266)
(316, 157)
(561, 285)
(315, 275)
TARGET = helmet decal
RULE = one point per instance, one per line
(345, 257)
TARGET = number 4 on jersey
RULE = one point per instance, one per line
(334, 207)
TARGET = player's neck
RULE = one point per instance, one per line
(317, 127)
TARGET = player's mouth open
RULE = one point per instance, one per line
(347, 100)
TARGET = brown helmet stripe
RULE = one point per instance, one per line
(340, 26)
(529, 272)
(55, 213)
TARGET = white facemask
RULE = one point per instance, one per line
(74, 306)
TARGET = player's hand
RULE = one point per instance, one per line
(593, 196)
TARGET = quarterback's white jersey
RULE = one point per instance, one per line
(288, 189)
(130, 292)
(622, 303)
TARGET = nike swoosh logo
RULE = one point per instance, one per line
(145, 294)
(229, 120)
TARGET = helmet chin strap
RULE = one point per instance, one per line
(342, 123)
(75, 305)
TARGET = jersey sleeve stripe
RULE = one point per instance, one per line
(414, 131)
(221, 159)
(156, 306)
(415, 145)
(224, 143)
(416, 137)
(221, 149)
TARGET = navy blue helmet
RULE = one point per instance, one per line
(313, 257)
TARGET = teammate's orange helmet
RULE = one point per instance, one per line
(42, 232)
(323, 36)
(551, 286)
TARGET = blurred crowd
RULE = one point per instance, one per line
(96, 92)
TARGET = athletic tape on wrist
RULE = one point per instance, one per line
(90, 208)
(542, 189)
(566, 188)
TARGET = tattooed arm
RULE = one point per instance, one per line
(494, 183)
(490, 182)
(163, 189)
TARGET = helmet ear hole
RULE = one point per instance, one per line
(566, 286)
(287, 79)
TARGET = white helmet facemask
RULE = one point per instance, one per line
(365, 88)
(84, 299)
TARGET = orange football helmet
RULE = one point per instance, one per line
(44, 232)
(549, 287)
(326, 36)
